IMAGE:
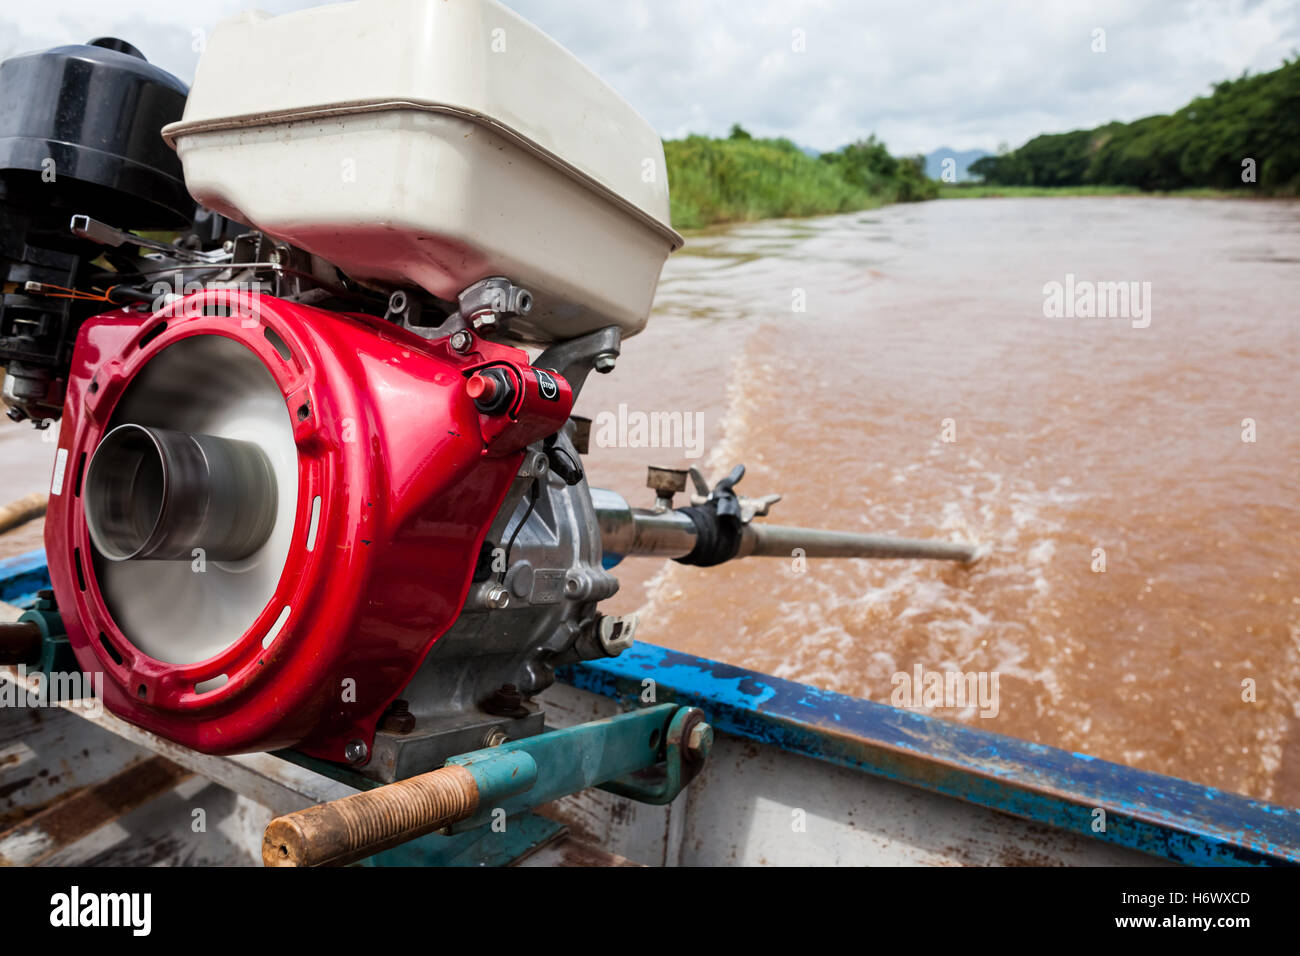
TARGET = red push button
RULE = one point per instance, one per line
(482, 389)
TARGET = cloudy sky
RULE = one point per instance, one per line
(920, 75)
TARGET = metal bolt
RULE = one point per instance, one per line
(495, 737)
(497, 598)
(399, 719)
(665, 482)
(462, 341)
(604, 362)
(397, 302)
(506, 701)
(699, 740)
(356, 751)
(534, 466)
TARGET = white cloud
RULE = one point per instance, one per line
(920, 75)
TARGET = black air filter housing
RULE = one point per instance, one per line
(95, 110)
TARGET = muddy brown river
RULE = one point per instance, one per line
(1133, 476)
(924, 392)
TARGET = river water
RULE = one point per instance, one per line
(835, 356)
(922, 391)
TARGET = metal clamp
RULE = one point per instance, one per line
(688, 743)
(750, 508)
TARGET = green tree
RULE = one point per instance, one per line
(1204, 144)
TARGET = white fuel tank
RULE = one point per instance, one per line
(434, 143)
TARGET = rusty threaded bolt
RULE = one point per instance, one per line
(506, 701)
(399, 719)
(345, 830)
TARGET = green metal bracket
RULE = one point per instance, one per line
(686, 745)
(599, 753)
(486, 846)
(56, 652)
(648, 755)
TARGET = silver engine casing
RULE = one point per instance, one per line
(552, 582)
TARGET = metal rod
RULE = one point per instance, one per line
(20, 643)
(25, 509)
(344, 831)
(778, 541)
(363, 824)
(627, 532)
(83, 227)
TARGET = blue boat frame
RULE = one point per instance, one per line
(1166, 816)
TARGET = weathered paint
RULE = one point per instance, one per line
(61, 776)
(483, 846)
(756, 805)
(82, 812)
(21, 577)
(1165, 816)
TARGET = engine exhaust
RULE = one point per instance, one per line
(160, 494)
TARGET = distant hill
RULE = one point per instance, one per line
(1244, 135)
(934, 162)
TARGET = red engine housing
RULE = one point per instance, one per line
(406, 497)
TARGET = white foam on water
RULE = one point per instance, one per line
(1282, 695)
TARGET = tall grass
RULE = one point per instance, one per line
(741, 179)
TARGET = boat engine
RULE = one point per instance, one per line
(318, 483)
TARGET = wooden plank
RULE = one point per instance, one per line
(170, 830)
(46, 753)
(78, 814)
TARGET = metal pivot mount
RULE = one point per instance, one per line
(489, 303)
(648, 755)
(38, 639)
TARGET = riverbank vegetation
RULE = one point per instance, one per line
(986, 191)
(742, 179)
(1244, 136)
(1243, 139)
